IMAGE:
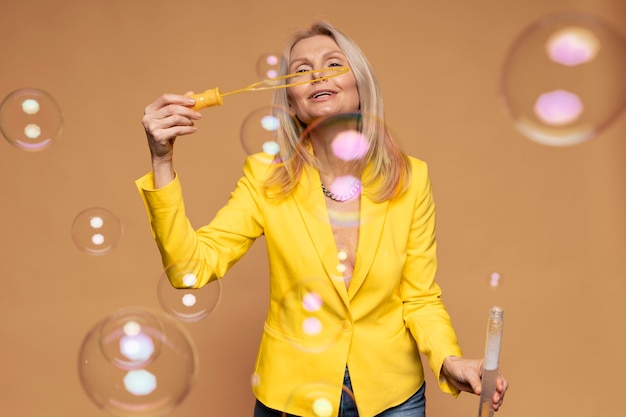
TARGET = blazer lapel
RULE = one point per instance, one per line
(372, 220)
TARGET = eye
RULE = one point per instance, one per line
(301, 68)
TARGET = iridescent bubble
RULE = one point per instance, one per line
(137, 363)
(260, 134)
(182, 294)
(30, 119)
(308, 318)
(268, 65)
(318, 398)
(563, 79)
(96, 231)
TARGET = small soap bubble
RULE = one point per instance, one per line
(308, 319)
(261, 131)
(267, 66)
(563, 79)
(96, 231)
(137, 363)
(30, 119)
(180, 294)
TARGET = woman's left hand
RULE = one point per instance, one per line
(465, 374)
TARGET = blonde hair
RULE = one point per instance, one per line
(390, 167)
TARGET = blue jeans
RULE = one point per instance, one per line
(415, 406)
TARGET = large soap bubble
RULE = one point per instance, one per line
(30, 119)
(137, 363)
(563, 79)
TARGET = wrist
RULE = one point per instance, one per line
(163, 172)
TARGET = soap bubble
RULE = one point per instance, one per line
(137, 363)
(179, 293)
(563, 79)
(96, 231)
(260, 134)
(30, 119)
(313, 319)
(268, 65)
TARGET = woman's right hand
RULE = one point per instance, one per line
(171, 115)
(168, 117)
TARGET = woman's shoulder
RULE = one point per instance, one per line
(258, 166)
(419, 167)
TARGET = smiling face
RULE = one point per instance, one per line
(334, 95)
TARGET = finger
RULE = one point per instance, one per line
(168, 99)
(497, 399)
(173, 109)
(173, 132)
(154, 125)
(501, 384)
(169, 116)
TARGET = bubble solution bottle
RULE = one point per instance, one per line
(492, 358)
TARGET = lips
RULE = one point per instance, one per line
(321, 94)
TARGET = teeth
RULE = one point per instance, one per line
(322, 93)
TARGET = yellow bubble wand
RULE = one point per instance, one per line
(214, 97)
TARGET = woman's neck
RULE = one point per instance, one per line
(332, 165)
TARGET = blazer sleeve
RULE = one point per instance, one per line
(215, 247)
(424, 312)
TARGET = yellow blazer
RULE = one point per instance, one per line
(314, 325)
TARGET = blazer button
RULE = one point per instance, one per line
(346, 326)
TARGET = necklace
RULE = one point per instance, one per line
(356, 187)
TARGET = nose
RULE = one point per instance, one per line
(317, 76)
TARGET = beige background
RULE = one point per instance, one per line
(550, 220)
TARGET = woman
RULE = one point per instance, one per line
(383, 305)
